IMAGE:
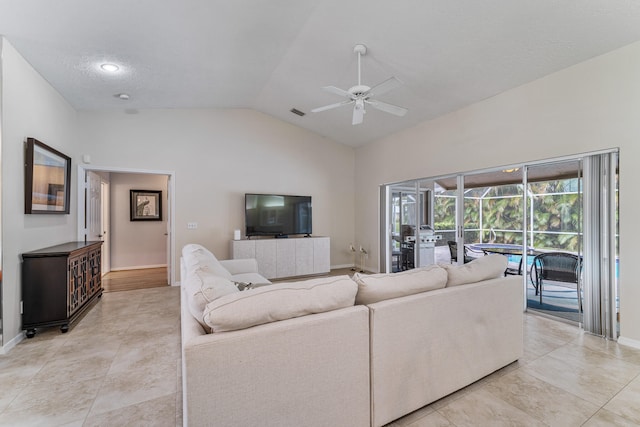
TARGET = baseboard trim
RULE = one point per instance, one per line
(352, 267)
(14, 342)
(139, 267)
(341, 266)
(629, 342)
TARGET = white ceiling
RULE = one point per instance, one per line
(273, 55)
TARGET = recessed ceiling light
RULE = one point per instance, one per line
(110, 68)
(123, 96)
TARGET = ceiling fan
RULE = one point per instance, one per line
(361, 95)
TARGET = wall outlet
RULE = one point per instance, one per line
(192, 225)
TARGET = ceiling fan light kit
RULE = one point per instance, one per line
(361, 95)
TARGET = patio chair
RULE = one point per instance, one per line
(453, 251)
(557, 267)
(514, 271)
(407, 255)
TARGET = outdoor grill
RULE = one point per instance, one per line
(426, 245)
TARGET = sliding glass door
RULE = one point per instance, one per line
(399, 227)
(492, 214)
(408, 214)
(445, 202)
(553, 225)
(571, 222)
(556, 221)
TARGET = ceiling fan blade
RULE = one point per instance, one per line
(337, 91)
(388, 108)
(358, 114)
(329, 107)
(384, 87)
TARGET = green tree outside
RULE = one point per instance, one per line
(556, 214)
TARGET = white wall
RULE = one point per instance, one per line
(136, 244)
(30, 108)
(217, 157)
(591, 106)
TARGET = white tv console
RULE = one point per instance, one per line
(277, 258)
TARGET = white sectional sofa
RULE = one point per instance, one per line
(428, 345)
(340, 352)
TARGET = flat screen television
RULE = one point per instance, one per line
(277, 215)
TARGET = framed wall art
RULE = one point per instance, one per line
(47, 179)
(146, 205)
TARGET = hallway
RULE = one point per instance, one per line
(129, 280)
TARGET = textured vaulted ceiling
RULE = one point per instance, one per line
(273, 55)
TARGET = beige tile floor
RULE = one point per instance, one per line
(120, 365)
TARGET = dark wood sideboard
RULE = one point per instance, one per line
(59, 283)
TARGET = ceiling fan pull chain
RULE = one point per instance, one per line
(359, 82)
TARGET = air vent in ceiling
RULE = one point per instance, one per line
(298, 112)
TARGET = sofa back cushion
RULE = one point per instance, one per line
(483, 268)
(198, 257)
(202, 287)
(378, 287)
(279, 302)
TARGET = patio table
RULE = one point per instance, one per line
(505, 249)
(502, 248)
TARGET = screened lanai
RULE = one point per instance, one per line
(493, 222)
(533, 214)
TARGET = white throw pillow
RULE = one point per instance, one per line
(202, 287)
(378, 287)
(279, 302)
(483, 268)
(198, 257)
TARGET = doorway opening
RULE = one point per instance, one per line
(95, 221)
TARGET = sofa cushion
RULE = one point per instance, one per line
(279, 302)
(202, 287)
(483, 268)
(378, 287)
(198, 257)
